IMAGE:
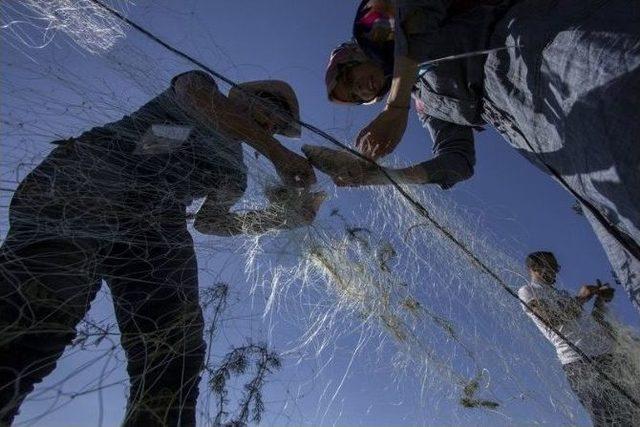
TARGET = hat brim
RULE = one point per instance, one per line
(278, 88)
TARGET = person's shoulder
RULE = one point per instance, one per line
(533, 291)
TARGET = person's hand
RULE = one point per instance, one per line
(384, 133)
(605, 291)
(345, 169)
(586, 292)
(294, 170)
(297, 207)
(309, 207)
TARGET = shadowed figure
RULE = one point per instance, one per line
(110, 205)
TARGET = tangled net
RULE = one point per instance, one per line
(36, 23)
(371, 289)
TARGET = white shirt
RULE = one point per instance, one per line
(587, 334)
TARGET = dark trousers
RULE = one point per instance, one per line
(46, 286)
(605, 405)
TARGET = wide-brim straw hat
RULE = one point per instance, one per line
(279, 89)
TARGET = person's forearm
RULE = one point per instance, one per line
(234, 124)
(405, 72)
(582, 300)
(415, 174)
(216, 220)
(255, 137)
(445, 170)
(600, 313)
(219, 113)
(231, 224)
(600, 308)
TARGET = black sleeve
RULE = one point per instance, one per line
(417, 23)
(454, 152)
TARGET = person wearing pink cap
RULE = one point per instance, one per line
(558, 80)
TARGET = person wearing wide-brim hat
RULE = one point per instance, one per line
(110, 205)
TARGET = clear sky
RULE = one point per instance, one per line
(516, 204)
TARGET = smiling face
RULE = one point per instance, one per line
(359, 83)
(546, 275)
(543, 268)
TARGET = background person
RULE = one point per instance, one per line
(549, 306)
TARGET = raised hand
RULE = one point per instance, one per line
(586, 292)
(294, 170)
(605, 291)
(384, 133)
(296, 207)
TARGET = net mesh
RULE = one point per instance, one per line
(371, 290)
(35, 23)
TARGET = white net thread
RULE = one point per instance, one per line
(383, 276)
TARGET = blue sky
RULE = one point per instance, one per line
(520, 207)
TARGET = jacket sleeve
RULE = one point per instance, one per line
(454, 152)
(417, 24)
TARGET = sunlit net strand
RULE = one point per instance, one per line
(358, 267)
(413, 202)
(86, 23)
(416, 231)
(384, 221)
(137, 76)
(355, 278)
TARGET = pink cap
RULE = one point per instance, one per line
(344, 54)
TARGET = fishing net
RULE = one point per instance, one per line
(399, 314)
(36, 24)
